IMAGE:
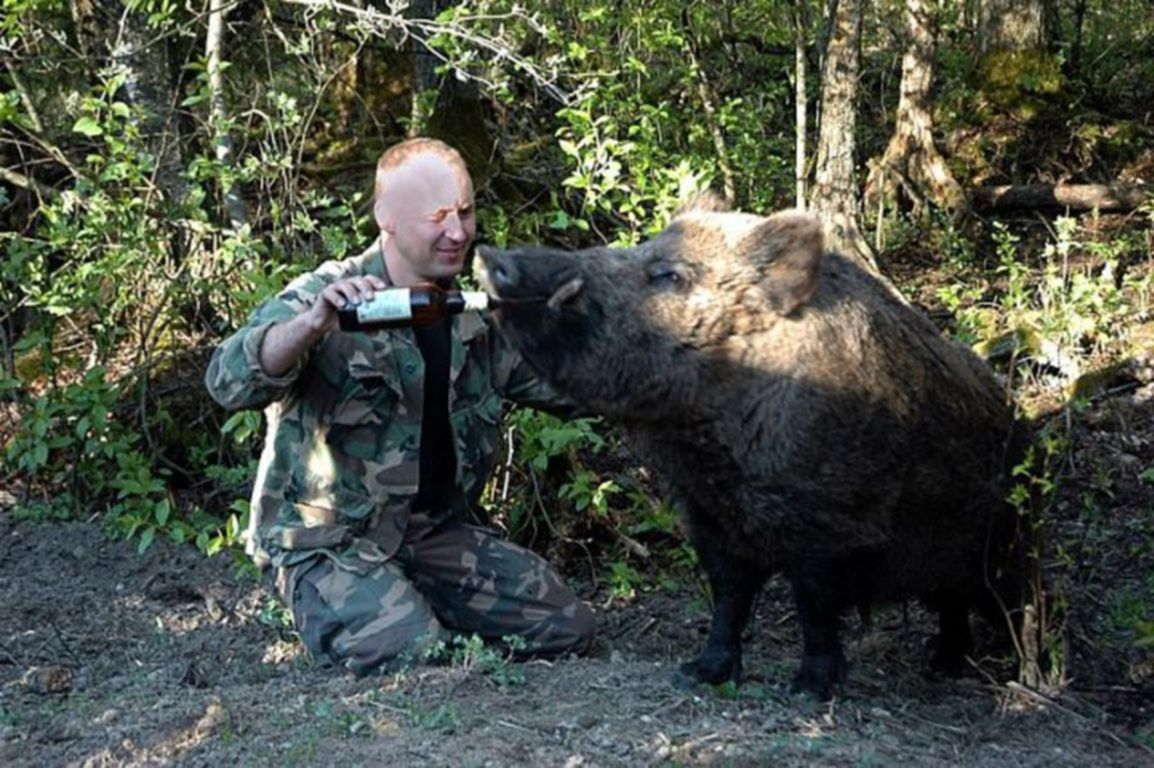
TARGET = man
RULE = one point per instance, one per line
(379, 443)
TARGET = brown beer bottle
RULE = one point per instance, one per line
(422, 304)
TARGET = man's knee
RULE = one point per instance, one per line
(570, 630)
(361, 621)
(581, 627)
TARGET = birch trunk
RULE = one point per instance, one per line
(834, 197)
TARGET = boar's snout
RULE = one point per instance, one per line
(528, 277)
(497, 271)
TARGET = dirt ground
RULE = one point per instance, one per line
(109, 658)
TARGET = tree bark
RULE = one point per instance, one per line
(834, 196)
(141, 55)
(911, 161)
(234, 202)
(1117, 196)
(801, 27)
(1012, 25)
(426, 84)
(446, 107)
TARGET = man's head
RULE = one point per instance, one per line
(423, 204)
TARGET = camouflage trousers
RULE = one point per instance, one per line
(457, 578)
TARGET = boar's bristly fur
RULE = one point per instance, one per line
(802, 418)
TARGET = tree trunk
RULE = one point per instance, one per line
(234, 203)
(148, 85)
(1079, 25)
(911, 161)
(426, 83)
(801, 30)
(107, 30)
(445, 106)
(834, 196)
(1012, 25)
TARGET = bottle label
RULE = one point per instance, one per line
(475, 301)
(393, 304)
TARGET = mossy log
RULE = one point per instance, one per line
(1117, 196)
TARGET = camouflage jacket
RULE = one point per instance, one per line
(339, 469)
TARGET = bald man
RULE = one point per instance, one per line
(379, 445)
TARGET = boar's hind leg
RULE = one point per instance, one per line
(820, 601)
(734, 583)
(955, 640)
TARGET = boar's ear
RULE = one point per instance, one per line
(786, 249)
(707, 201)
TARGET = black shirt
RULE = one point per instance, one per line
(438, 457)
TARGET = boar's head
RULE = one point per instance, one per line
(634, 332)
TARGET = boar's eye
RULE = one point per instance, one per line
(668, 277)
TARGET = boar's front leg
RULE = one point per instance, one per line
(820, 597)
(735, 583)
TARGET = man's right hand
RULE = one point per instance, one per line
(350, 291)
(286, 342)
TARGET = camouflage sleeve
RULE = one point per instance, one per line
(515, 380)
(235, 378)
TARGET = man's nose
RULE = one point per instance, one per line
(454, 227)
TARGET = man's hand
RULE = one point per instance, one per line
(351, 291)
(286, 342)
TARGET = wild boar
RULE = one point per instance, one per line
(801, 417)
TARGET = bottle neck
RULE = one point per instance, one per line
(474, 301)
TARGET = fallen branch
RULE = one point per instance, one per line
(26, 182)
(1117, 196)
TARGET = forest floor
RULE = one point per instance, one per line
(112, 658)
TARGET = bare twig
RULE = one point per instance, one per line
(29, 107)
(705, 93)
(9, 657)
(387, 24)
(63, 643)
(518, 726)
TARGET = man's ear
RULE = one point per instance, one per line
(384, 221)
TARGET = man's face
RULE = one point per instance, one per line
(428, 216)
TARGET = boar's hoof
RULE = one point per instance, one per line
(710, 668)
(820, 675)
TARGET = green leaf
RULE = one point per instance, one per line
(145, 540)
(162, 511)
(88, 127)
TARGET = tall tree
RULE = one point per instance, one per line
(834, 197)
(1014, 25)
(214, 40)
(444, 105)
(801, 27)
(912, 163)
(116, 34)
